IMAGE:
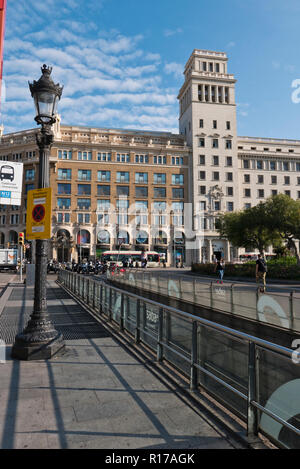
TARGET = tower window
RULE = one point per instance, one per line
(206, 92)
(213, 94)
(226, 94)
(200, 92)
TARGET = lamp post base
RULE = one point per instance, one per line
(26, 349)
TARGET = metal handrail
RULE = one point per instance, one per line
(231, 305)
(253, 405)
(213, 325)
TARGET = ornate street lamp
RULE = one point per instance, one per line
(40, 340)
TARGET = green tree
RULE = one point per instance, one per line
(248, 228)
(283, 217)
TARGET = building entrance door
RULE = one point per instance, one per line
(83, 253)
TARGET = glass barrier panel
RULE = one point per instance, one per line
(149, 323)
(177, 333)
(245, 301)
(130, 305)
(279, 392)
(116, 305)
(227, 359)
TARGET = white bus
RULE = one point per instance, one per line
(117, 257)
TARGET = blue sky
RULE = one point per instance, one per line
(121, 61)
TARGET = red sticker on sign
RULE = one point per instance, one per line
(38, 213)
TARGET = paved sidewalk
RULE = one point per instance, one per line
(95, 394)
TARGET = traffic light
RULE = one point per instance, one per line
(21, 239)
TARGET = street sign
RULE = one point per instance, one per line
(11, 178)
(38, 225)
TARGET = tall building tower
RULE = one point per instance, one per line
(207, 119)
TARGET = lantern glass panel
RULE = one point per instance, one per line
(44, 102)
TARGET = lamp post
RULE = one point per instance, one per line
(40, 340)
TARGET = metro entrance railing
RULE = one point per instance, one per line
(279, 308)
(257, 380)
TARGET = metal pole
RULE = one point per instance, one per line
(21, 263)
(138, 322)
(194, 374)
(291, 309)
(252, 420)
(122, 312)
(160, 335)
(101, 298)
(231, 298)
(40, 340)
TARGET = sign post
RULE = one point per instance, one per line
(38, 222)
(11, 178)
(21, 246)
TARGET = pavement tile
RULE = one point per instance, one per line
(94, 394)
(91, 429)
(22, 441)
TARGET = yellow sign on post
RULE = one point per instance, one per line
(39, 209)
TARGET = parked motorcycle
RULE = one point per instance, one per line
(52, 267)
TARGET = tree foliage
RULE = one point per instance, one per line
(250, 228)
(284, 219)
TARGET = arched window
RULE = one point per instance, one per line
(123, 237)
(83, 237)
(142, 237)
(179, 237)
(161, 238)
(13, 237)
(103, 237)
(63, 234)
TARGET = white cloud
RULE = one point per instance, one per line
(109, 80)
(275, 64)
(174, 68)
(172, 32)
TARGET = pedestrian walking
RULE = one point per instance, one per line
(261, 272)
(220, 267)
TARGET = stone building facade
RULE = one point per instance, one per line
(155, 190)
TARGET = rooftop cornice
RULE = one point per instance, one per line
(262, 140)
